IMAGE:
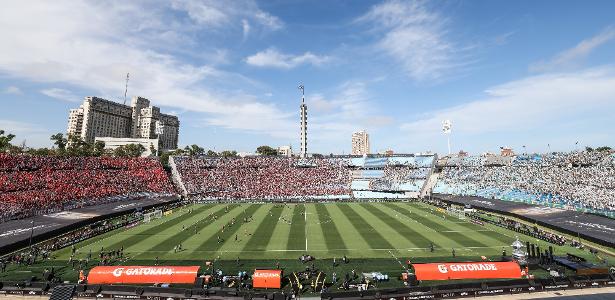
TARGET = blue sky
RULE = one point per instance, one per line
(506, 73)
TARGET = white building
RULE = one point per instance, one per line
(100, 118)
(360, 143)
(285, 151)
(148, 144)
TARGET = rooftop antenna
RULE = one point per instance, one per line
(126, 90)
(302, 93)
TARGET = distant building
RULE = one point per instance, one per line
(462, 154)
(285, 151)
(113, 143)
(387, 152)
(101, 118)
(360, 143)
(506, 151)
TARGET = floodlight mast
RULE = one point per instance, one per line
(446, 128)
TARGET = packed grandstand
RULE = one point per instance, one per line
(31, 185)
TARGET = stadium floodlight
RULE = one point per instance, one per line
(446, 128)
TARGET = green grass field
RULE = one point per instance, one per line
(357, 230)
(377, 236)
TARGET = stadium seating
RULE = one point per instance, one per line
(577, 181)
(280, 178)
(32, 185)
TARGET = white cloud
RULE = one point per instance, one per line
(92, 45)
(348, 109)
(221, 14)
(572, 56)
(246, 28)
(274, 59)
(525, 105)
(13, 90)
(33, 134)
(61, 94)
(415, 37)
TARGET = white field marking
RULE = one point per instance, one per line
(306, 226)
(317, 250)
(402, 265)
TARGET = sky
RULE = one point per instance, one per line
(539, 74)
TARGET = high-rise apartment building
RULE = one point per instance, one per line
(98, 117)
(360, 143)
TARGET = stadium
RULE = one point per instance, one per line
(337, 227)
(288, 149)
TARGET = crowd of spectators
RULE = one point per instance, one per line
(265, 177)
(31, 185)
(577, 180)
(262, 177)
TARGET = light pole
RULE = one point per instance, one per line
(446, 128)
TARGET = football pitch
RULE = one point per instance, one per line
(278, 231)
(375, 236)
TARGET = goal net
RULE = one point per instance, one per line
(148, 217)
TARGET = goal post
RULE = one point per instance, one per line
(148, 217)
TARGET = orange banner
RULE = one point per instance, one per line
(467, 270)
(271, 279)
(142, 274)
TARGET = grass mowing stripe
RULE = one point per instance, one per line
(480, 236)
(212, 244)
(296, 237)
(369, 233)
(460, 239)
(182, 236)
(332, 236)
(406, 231)
(133, 239)
(262, 235)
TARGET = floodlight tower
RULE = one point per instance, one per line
(446, 128)
(303, 116)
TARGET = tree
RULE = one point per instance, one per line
(266, 150)
(589, 149)
(76, 146)
(5, 140)
(211, 153)
(129, 150)
(194, 149)
(98, 148)
(152, 150)
(59, 140)
(41, 152)
(228, 153)
(603, 149)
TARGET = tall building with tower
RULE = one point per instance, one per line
(303, 108)
(101, 118)
(360, 143)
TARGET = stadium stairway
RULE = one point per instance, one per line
(62, 292)
(430, 183)
(176, 178)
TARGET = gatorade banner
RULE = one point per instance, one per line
(271, 279)
(467, 270)
(142, 274)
